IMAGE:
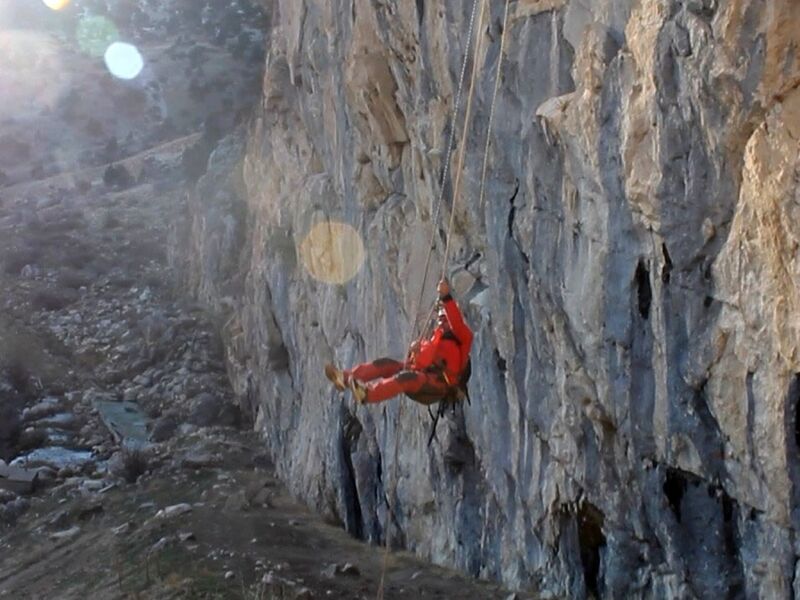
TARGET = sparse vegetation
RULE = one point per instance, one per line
(38, 172)
(16, 259)
(94, 128)
(18, 372)
(53, 299)
(111, 221)
(134, 464)
(74, 279)
(78, 256)
(117, 176)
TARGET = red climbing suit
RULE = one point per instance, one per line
(434, 367)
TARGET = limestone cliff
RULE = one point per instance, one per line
(632, 277)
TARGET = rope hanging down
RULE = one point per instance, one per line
(464, 136)
(390, 514)
(494, 99)
(451, 138)
(462, 153)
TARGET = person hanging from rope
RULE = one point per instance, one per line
(432, 371)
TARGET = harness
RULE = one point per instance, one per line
(456, 392)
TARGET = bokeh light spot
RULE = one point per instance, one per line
(56, 4)
(124, 60)
(95, 34)
(332, 252)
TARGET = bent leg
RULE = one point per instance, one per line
(377, 369)
(405, 382)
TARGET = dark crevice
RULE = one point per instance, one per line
(501, 362)
(751, 407)
(644, 293)
(512, 213)
(730, 541)
(421, 11)
(352, 429)
(794, 407)
(475, 257)
(674, 489)
(591, 540)
(667, 268)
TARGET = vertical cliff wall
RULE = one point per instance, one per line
(632, 278)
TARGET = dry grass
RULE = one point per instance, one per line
(74, 279)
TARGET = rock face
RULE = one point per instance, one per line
(631, 275)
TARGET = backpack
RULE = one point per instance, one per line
(454, 395)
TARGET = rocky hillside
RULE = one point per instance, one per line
(632, 277)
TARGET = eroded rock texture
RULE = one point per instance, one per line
(632, 276)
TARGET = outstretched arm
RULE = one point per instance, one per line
(457, 324)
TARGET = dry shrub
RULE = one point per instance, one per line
(134, 464)
(78, 257)
(53, 299)
(16, 258)
(74, 279)
(117, 176)
(111, 221)
(83, 186)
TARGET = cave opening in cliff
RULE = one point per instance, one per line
(644, 293)
(591, 540)
(674, 489)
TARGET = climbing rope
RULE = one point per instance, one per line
(462, 153)
(448, 153)
(456, 194)
(491, 109)
(459, 90)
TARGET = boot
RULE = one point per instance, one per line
(359, 391)
(336, 377)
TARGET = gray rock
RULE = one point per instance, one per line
(237, 502)
(197, 459)
(11, 511)
(164, 428)
(341, 569)
(186, 536)
(170, 512)
(123, 529)
(161, 544)
(67, 534)
(47, 407)
(205, 410)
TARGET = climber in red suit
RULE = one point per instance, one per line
(433, 367)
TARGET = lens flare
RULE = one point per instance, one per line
(56, 4)
(32, 74)
(332, 252)
(95, 34)
(124, 60)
